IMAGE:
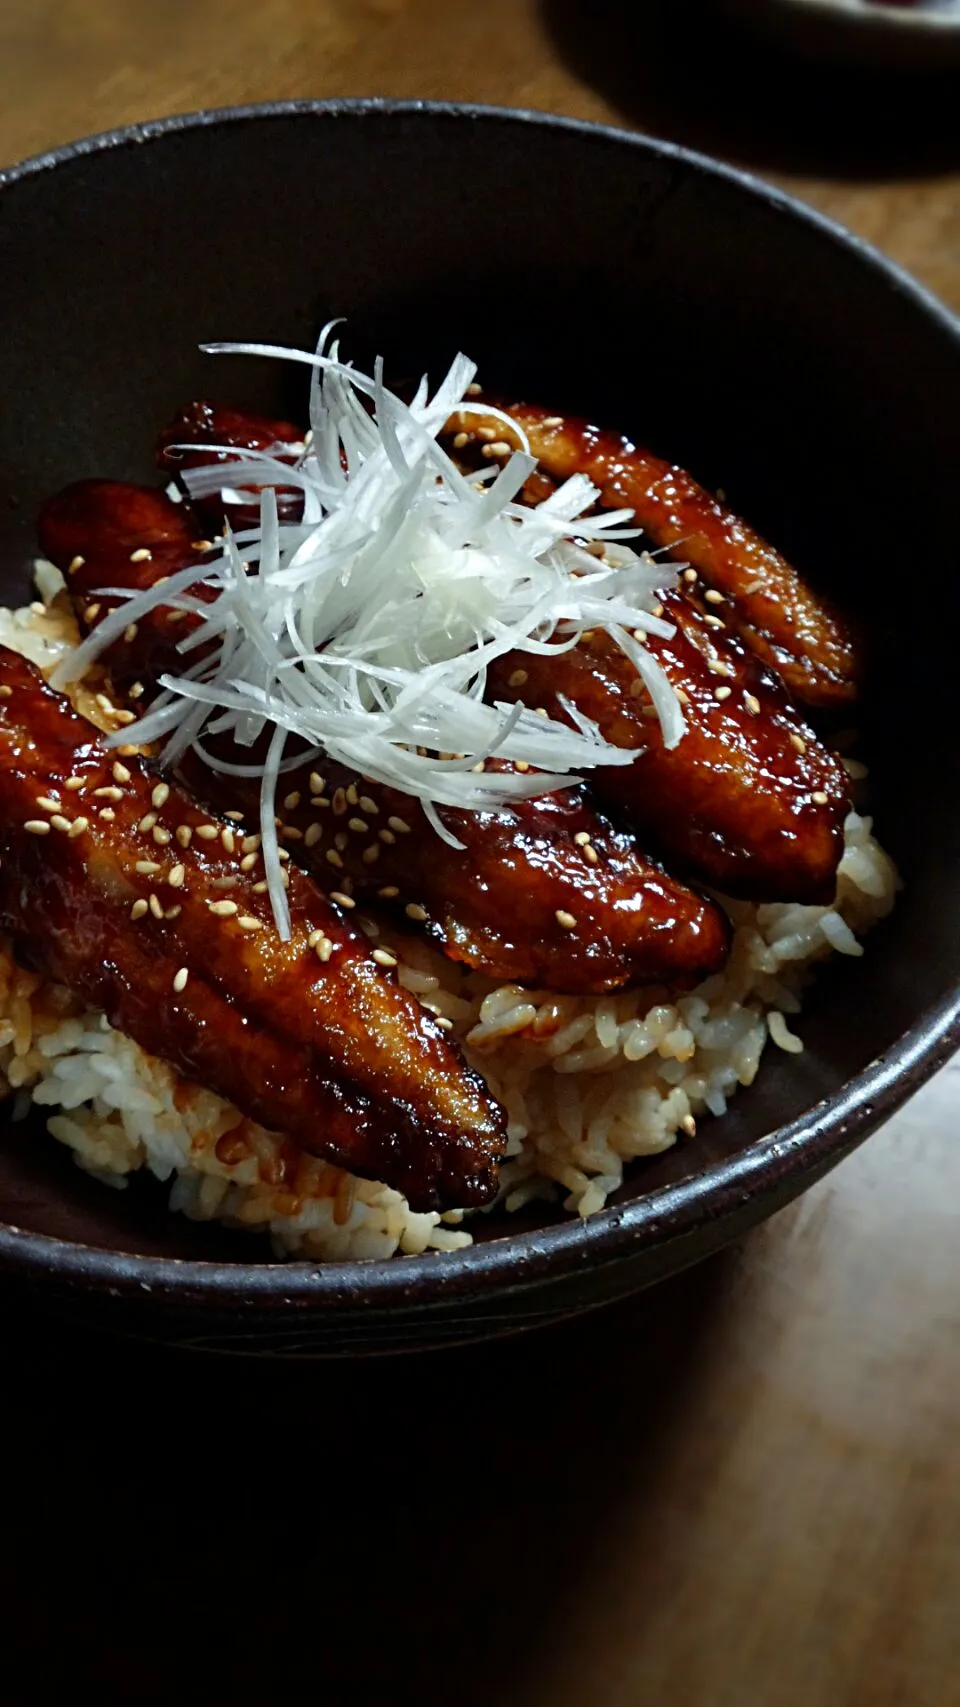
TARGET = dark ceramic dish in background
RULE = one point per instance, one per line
(731, 328)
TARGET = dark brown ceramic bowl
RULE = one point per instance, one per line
(772, 353)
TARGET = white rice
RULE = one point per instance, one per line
(588, 1084)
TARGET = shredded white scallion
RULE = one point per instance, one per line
(366, 630)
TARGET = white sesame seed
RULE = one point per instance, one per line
(590, 854)
(59, 822)
(249, 861)
(566, 921)
(414, 911)
(389, 893)
(317, 784)
(237, 817)
(147, 821)
(138, 909)
(74, 782)
(176, 876)
(313, 835)
(387, 836)
(352, 797)
(369, 806)
(521, 766)
(637, 688)
(227, 882)
(319, 800)
(136, 691)
(752, 703)
(360, 825)
(497, 447)
(334, 857)
(383, 958)
(161, 836)
(207, 832)
(125, 717)
(108, 793)
(290, 833)
(91, 613)
(184, 835)
(689, 574)
(75, 564)
(260, 888)
(460, 439)
(581, 838)
(339, 802)
(341, 899)
(713, 597)
(474, 388)
(160, 795)
(314, 938)
(228, 839)
(250, 844)
(400, 825)
(324, 949)
(173, 912)
(798, 742)
(120, 772)
(714, 622)
(141, 555)
(223, 909)
(517, 679)
(180, 980)
(689, 1125)
(371, 854)
(292, 801)
(282, 854)
(722, 693)
(106, 813)
(155, 907)
(247, 922)
(104, 703)
(640, 634)
(78, 826)
(819, 798)
(37, 827)
(130, 633)
(48, 803)
(146, 867)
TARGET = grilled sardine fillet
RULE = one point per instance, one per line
(229, 430)
(789, 627)
(545, 892)
(120, 887)
(749, 801)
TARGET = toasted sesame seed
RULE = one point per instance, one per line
(106, 813)
(689, 574)
(819, 798)
(714, 622)
(155, 907)
(207, 832)
(317, 784)
(141, 555)
(400, 825)
(147, 822)
(341, 840)
(517, 679)
(498, 447)
(146, 867)
(160, 795)
(282, 854)
(360, 825)
(111, 792)
(752, 703)
(78, 826)
(312, 835)
(125, 717)
(173, 912)
(91, 613)
(689, 1125)
(798, 742)
(180, 978)
(521, 766)
(314, 938)
(722, 693)
(120, 772)
(649, 712)
(5, 690)
(341, 899)
(135, 691)
(128, 751)
(640, 634)
(383, 957)
(369, 806)
(247, 922)
(75, 564)
(683, 697)
(251, 844)
(161, 836)
(261, 888)
(59, 822)
(713, 597)
(292, 801)
(290, 833)
(581, 838)
(138, 909)
(566, 921)
(226, 882)
(414, 911)
(340, 802)
(319, 800)
(74, 782)
(474, 388)
(48, 803)
(590, 854)
(104, 703)
(175, 876)
(353, 798)
(334, 858)
(249, 861)
(541, 711)
(460, 439)
(201, 545)
(637, 688)
(387, 836)
(389, 893)
(324, 949)
(184, 835)
(228, 839)
(37, 827)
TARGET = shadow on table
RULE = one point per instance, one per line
(179, 1529)
(677, 69)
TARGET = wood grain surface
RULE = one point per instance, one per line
(740, 1490)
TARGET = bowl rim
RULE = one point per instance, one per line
(778, 1163)
(861, 15)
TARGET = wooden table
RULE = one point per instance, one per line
(741, 1490)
